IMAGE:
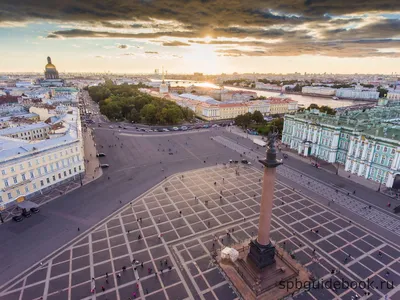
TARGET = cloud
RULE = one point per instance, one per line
(81, 33)
(257, 28)
(175, 44)
(100, 56)
(151, 52)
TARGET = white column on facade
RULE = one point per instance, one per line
(364, 151)
(306, 146)
(395, 164)
(299, 148)
(353, 168)
(347, 165)
(357, 152)
(291, 144)
(361, 168)
(390, 179)
(351, 146)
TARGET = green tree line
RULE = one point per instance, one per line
(126, 102)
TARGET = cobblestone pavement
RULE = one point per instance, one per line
(376, 215)
(175, 224)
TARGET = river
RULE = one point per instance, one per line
(301, 99)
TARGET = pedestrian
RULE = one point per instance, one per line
(140, 220)
(180, 212)
(161, 263)
(139, 237)
(169, 267)
(316, 231)
(119, 275)
(166, 262)
(106, 274)
(141, 264)
(159, 220)
(387, 274)
(123, 269)
(92, 278)
(380, 254)
(147, 291)
(103, 289)
(134, 295)
(79, 229)
(148, 271)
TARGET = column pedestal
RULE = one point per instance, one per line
(261, 255)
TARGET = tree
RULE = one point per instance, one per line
(313, 106)
(327, 109)
(243, 120)
(148, 113)
(134, 116)
(382, 92)
(257, 117)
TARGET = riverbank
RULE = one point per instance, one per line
(302, 94)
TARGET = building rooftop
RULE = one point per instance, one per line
(17, 129)
(12, 148)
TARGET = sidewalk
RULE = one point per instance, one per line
(92, 172)
(332, 168)
(92, 169)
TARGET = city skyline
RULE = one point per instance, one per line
(213, 38)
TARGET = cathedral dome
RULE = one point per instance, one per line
(50, 66)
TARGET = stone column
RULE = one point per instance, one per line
(262, 251)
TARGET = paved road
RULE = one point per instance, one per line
(192, 228)
(134, 169)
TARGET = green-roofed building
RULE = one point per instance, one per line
(365, 141)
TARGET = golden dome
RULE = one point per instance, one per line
(50, 66)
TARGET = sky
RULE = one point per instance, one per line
(213, 37)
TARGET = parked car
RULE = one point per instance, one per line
(111, 126)
(18, 218)
(100, 154)
(125, 127)
(26, 213)
(184, 128)
(35, 210)
(104, 166)
(175, 128)
(119, 126)
(165, 129)
(244, 161)
(159, 130)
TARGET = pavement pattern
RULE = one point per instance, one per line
(374, 214)
(173, 228)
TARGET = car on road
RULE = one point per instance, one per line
(170, 153)
(35, 210)
(125, 127)
(165, 129)
(206, 126)
(244, 161)
(104, 166)
(215, 126)
(18, 218)
(111, 126)
(26, 213)
(159, 129)
(285, 155)
(175, 128)
(99, 125)
(100, 154)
